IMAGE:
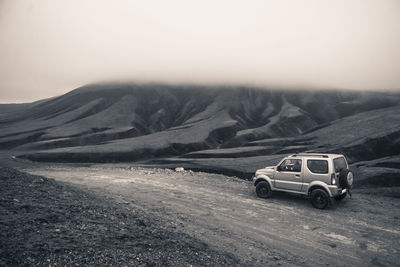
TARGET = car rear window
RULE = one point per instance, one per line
(339, 164)
(317, 166)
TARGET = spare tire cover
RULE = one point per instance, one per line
(346, 178)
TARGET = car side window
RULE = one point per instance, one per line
(317, 166)
(290, 165)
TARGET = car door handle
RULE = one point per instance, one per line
(298, 175)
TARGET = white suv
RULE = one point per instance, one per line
(319, 176)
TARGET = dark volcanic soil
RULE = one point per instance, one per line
(45, 222)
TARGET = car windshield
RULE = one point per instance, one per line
(339, 163)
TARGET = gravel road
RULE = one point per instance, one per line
(225, 213)
(49, 223)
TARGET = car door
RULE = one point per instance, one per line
(289, 175)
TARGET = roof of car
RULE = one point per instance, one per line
(317, 155)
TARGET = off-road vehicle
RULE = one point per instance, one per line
(322, 177)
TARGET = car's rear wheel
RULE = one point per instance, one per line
(319, 198)
(263, 189)
(340, 197)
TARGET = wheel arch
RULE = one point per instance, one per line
(263, 178)
(320, 185)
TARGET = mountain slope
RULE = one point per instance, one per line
(370, 140)
(94, 114)
(233, 130)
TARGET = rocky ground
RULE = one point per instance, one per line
(49, 223)
(179, 214)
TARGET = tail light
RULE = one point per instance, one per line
(333, 178)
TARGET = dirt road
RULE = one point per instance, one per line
(225, 213)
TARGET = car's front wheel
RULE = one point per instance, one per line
(319, 198)
(263, 189)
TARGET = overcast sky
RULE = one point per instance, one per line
(49, 47)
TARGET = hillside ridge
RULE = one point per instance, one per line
(167, 124)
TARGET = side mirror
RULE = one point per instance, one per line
(278, 168)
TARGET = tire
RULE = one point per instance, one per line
(340, 197)
(263, 190)
(346, 178)
(319, 198)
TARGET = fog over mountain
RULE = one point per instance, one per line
(51, 47)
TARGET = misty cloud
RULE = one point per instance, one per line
(50, 47)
